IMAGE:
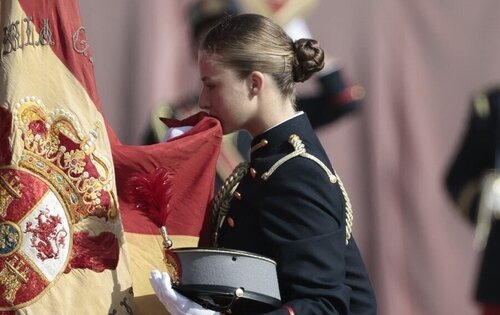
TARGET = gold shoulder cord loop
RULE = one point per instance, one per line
(349, 214)
(481, 105)
(222, 200)
(299, 150)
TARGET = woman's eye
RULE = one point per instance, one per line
(210, 86)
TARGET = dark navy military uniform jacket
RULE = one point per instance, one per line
(297, 217)
(475, 156)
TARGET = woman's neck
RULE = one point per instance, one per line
(271, 116)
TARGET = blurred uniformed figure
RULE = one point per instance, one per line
(473, 182)
(334, 100)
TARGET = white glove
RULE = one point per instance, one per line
(176, 131)
(174, 302)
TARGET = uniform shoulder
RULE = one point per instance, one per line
(486, 100)
(491, 91)
(299, 161)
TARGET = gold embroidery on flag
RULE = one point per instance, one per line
(46, 33)
(80, 45)
(13, 273)
(10, 238)
(58, 150)
(9, 189)
(21, 33)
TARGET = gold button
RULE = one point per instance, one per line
(357, 92)
(237, 195)
(230, 222)
(253, 172)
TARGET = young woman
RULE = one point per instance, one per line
(287, 202)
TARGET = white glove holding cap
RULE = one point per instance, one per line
(174, 302)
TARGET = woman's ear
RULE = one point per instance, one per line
(256, 81)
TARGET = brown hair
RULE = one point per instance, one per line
(252, 42)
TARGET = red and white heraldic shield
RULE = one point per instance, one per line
(35, 237)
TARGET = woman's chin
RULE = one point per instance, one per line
(226, 130)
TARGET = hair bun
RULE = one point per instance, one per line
(309, 58)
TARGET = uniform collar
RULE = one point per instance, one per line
(273, 139)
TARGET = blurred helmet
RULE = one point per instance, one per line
(203, 14)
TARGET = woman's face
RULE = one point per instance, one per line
(224, 95)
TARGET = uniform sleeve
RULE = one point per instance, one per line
(335, 99)
(302, 219)
(474, 156)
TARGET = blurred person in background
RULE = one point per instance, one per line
(473, 182)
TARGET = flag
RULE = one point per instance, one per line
(66, 180)
(62, 246)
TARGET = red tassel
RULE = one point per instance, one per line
(151, 194)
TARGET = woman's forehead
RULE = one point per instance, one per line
(210, 58)
(210, 66)
(207, 65)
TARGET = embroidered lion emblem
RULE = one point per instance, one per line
(48, 236)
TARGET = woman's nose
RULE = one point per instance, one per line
(203, 102)
(203, 105)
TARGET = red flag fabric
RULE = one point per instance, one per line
(186, 163)
(167, 184)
